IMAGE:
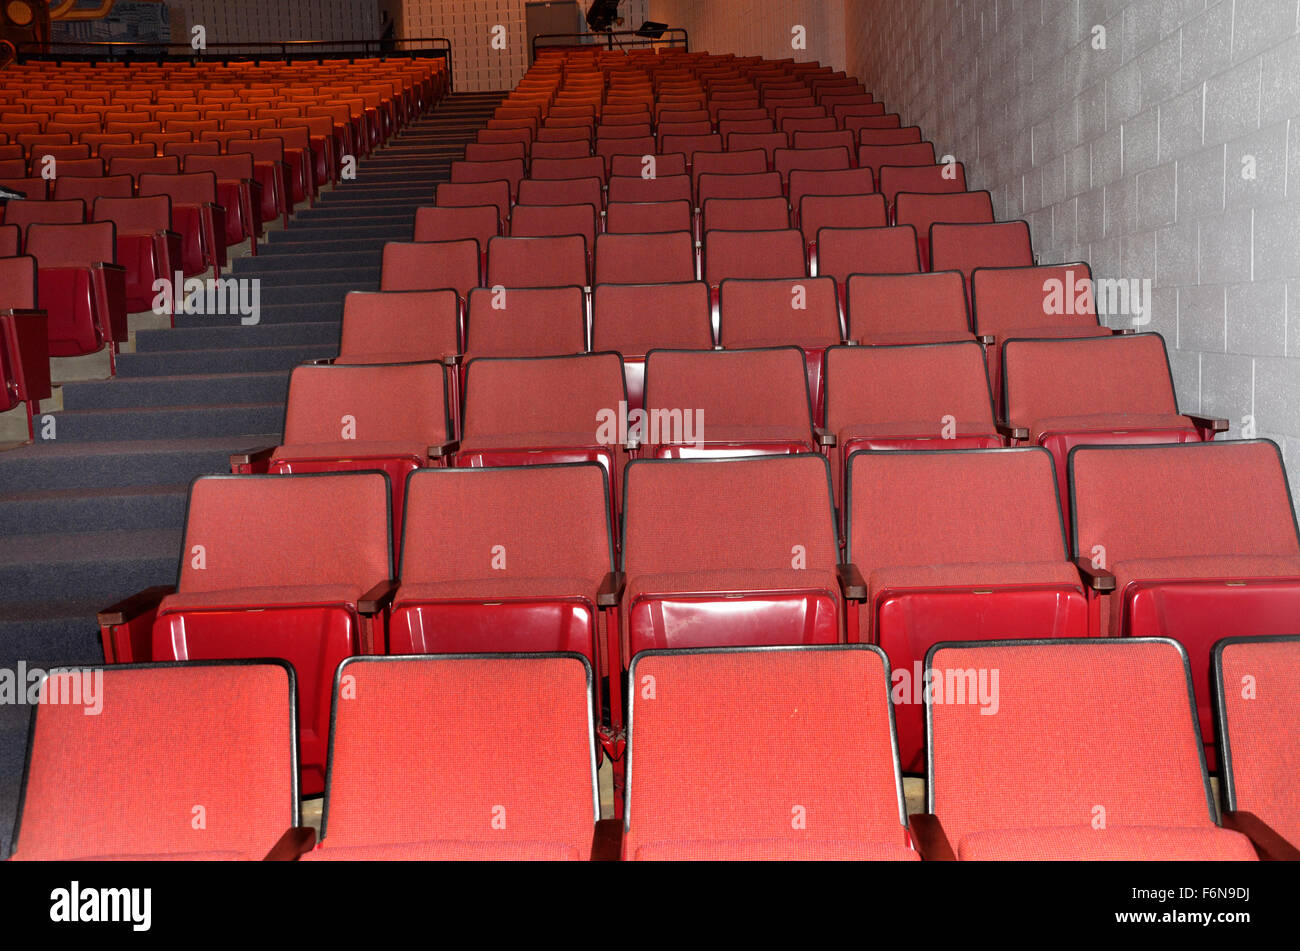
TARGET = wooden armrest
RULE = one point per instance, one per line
(296, 842)
(444, 449)
(852, 584)
(137, 605)
(1212, 424)
(251, 456)
(825, 438)
(377, 598)
(1012, 432)
(1269, 845)
(930, 839)
(1098, 579)
(610, 593)
(607, 841)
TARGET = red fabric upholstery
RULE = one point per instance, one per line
(753, 254)
(645, 258)
(765, 313)
(763, 754)
(965, 247)
(1258, 739)
(526, 322)
(430, 266)
(126, 782)
(631, 319)
(480, 222)
(1094, 746)
(462, 757)
(894, 307)
(935, 179)
(845, 251)
(537, 262)
(399, 326)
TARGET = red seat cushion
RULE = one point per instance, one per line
(1116, 844)
(322, 595)
(1108, 422)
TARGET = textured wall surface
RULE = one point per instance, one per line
(1173, 154)
(247, 21)
(759, 27)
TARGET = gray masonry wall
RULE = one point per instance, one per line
(1172, 154)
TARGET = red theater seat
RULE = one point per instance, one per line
(24, 340)
(528, 795)
(891, 309)
(1092, 746)
(80, 286)
(775, 717)
(147, 247)
(185, 761)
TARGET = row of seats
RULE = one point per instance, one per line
(84, 249)
(513, 550)
(1040, 750)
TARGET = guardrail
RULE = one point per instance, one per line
(119, 51)
(673, 36)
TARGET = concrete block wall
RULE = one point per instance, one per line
(759, 27)
(1173, 154)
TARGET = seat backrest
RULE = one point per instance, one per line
(356, 404)
(494, 151)
(1007, 299)
(964, 247)
(17, 276)
(746, 214)
(479, 222)
(632, 319)
(557, 261)
(1180, 501)
(287, 531)
(786, 161)
(546, 521)
(458, 195)
(895, 179)
(158, 165)
(592, 166)
(70, 211)
(192, 188)
(737, 162)
(912, 508)
(88, 189)
(415, 325)
(537, 791)
(225, 167)
(1258, 692)
(895, 135)
(508, 170)
(645, 258)
(526, 322)
(578, 148)
(876, 157)
(750, 185)
(648, 217)
(920, 210)
(823, 139)
(840, 211)
(165, 739)
(135, 215)
(541, 221)
(842, 252)
(1086, 376)
(775, 716)
(802, 312)
(74, 245)
(538, 395)
(666, 163)
(933, 302)
(753, 254)
(755, 389)
(431, 265)
(561, 191)
(662, 187)
(743, 514)
(923, 389)
(1080, 723)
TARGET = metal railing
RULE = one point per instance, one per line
(673, 36)
(72, 51)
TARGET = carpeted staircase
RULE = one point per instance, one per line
(97, 513)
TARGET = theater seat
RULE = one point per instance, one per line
(725, 553)
(24, 340)
(765, 723)
(81, 287)
(1257, 689)
(1069, 750)
(495, 754)
(297, 567)
(1201, 539)
(147, 247)
(902, 309)
(1065, 393)
(718, 403)
(179, 761)
(939, 565)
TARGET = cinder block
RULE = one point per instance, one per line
(1181, 131)
(1200, 183)
(1259, 24)
(1256, 167)
(1091, 216)
(1177, 251)
(1280, 84)
(1157, 194)
(1123, 93)
(1232, 102)
(1226, 247)
(1207, 43)
(1201, 318)
(1277, 394)
(1141, 142)
(1227, 388)
(1257, 319)
(1277, 241)
(1186, 367)
(1159, 66)
(1107, 157)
